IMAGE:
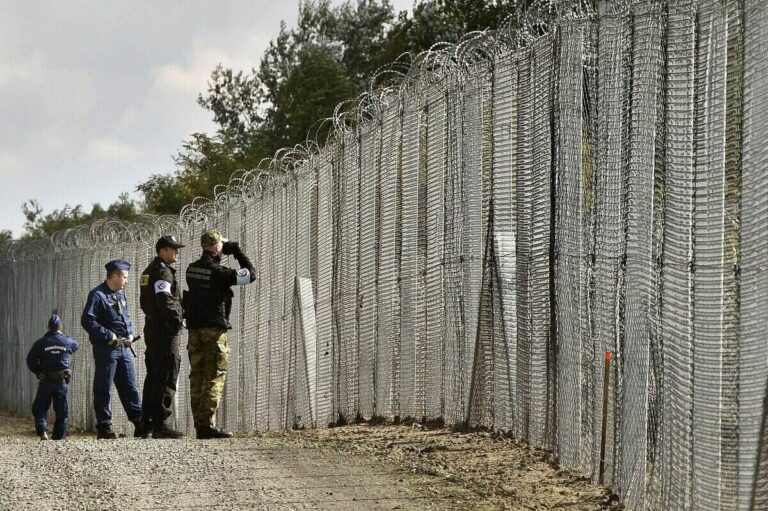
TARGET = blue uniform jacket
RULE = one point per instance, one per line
(51, 353)
(105, 313)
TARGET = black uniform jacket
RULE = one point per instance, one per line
(161, 299)
(208, 302)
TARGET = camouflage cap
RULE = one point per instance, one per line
(210, 238)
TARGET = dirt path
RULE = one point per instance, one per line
(350, 468)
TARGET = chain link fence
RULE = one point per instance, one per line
(471, 240)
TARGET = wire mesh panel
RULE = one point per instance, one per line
(370, 148)
(409, 258)
(709, 215)
(290, 209)
(753, 332)
(269, 328)
(387, 326)
(10, 362)
(677, 299)
(249, 316)
(264, 337)
(504, 232)
(420, 292)
(524, 165)
(542, 350)
(349, 341)
(339, 394)
(634, 354)
(453, 271)
(489, 322)
(609, 206)
(323, 297)
(435, 224)
(731, 238)
(570, 253)
(282, 310)
(305, 337)
(472, 229)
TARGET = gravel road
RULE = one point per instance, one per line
(355, 467)
(241, 473)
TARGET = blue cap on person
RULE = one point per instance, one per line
(54, 322)
(117, 264)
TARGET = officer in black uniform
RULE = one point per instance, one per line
(49, 360)
(161, 302)
(207, 305)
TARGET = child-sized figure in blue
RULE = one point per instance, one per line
(49, 360)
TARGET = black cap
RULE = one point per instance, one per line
(167, 242)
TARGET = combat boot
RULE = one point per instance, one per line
(165, 431)
(142, 430)
(207, 432)
(105, 433)
(43, 435)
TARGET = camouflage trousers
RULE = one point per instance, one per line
(208, 356)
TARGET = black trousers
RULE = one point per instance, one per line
(163, 360)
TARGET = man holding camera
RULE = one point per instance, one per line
(207, 305)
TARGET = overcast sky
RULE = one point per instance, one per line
(96, 96)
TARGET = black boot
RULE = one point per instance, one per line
(165, 431)
(43, 435)
(105, 433)
(142, 429)
(207, 432)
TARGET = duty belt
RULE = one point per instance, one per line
(55, 377)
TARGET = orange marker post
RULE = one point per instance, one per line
(606, 385)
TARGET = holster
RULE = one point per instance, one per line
(56, 377)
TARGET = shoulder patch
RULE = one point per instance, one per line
(144, 280)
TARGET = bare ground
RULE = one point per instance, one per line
(346, 468)
(481, 470)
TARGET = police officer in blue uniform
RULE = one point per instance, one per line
(49, 360)
(108, 323)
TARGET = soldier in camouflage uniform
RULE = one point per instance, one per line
(207, 306)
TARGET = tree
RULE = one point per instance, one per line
(236, 101)
(41, 225)
(162, 194)
(329, 56)
(311, 91)
(5, 236)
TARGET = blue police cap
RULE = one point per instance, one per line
(54, 322)
(117, 264)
